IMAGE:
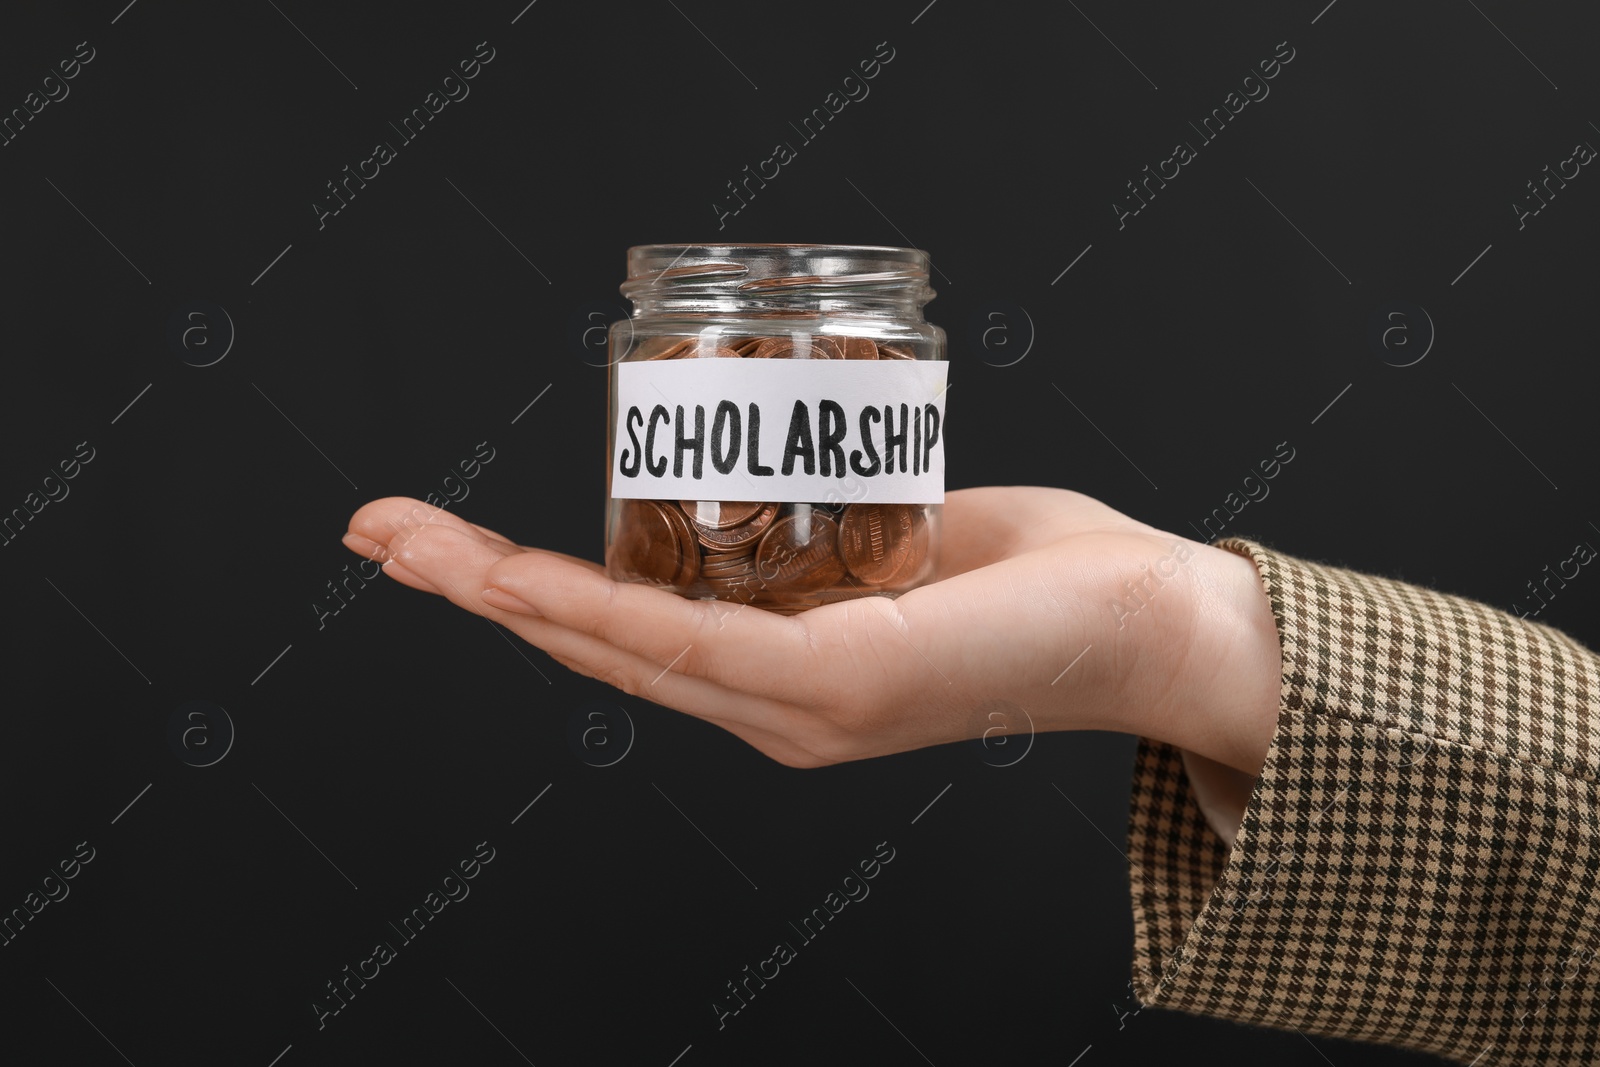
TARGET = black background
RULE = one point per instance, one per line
(397, 734)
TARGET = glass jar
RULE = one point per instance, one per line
(776, 423)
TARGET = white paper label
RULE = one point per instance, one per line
(780, 430)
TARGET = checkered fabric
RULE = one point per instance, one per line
(1418, 862)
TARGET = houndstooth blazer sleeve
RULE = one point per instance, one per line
(1419, 860)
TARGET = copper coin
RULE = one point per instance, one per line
(860, 348)
(688, 548)
(719, 515)
(786, 348)
(894, 352)
(692, 348)
(643, 546)
(842, 595)
(742, 576)
(675, 349)
(732, 576)
(748, 345)
(879, 542)
(653, 544)
(727, 564)
(916, 559)
(800, 554)
(742, 573)
(741, 535)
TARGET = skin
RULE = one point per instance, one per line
(1026, 582)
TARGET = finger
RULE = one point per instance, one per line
(405, 576)
(394, 520)
(363, 545)
(397, 520)
(742, 648)
(380, 522)
(453, 561)
(493, 536)
(586, 564)
(580, 561)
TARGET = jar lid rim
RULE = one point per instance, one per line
(749, 265)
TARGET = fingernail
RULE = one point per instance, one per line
(363, 546)
(499, 598)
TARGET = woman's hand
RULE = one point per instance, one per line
(1045, 600)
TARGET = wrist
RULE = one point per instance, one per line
(1218, 692)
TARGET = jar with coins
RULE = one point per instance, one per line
(776, 432)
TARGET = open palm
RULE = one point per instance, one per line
(1044, 599)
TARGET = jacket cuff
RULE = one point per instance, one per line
(1414, 866)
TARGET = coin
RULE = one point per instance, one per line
(841, 595)
(860, 348)
(653, 544)
(688, 550)
(719, 515)
(739, 535)
(800, 554)
(748, 345)
(916, 558)
(879, 542)
(728, 568)
(674, 348)
(833, 346)
(731, 575)
(636, 552)
(894, 352)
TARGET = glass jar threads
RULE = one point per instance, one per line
(776, 431)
